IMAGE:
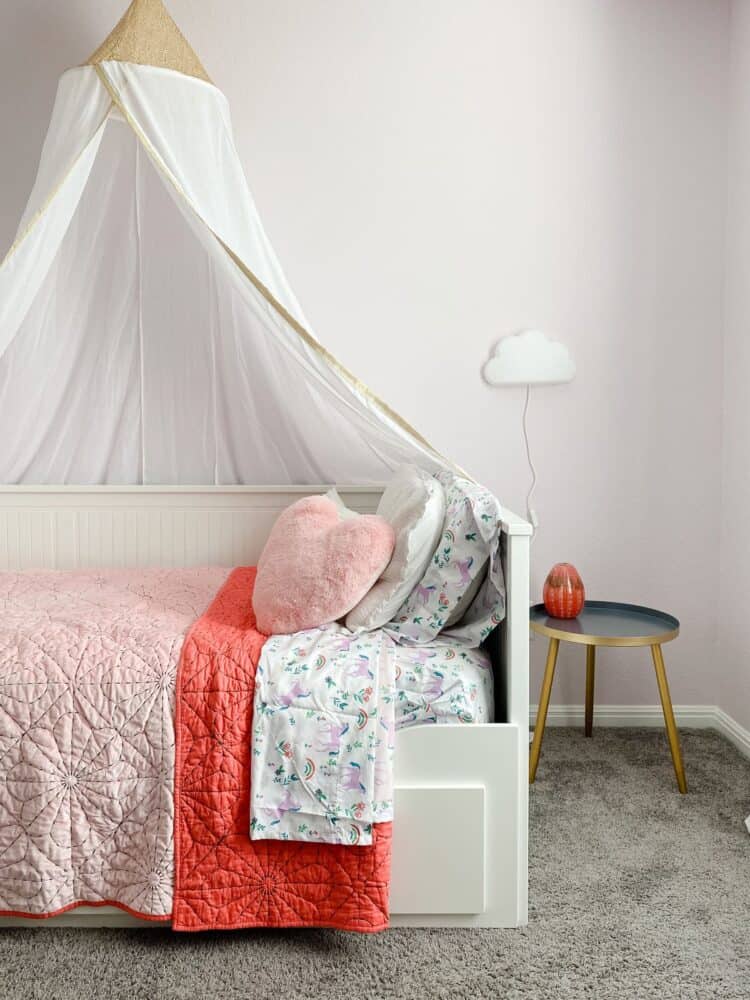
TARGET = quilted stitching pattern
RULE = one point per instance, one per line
(88, 665)
(223, 879)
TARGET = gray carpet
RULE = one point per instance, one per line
(636, 892)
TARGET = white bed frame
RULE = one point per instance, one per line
(460, 832)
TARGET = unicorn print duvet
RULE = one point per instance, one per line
(327, 705)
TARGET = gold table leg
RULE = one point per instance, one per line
(541, 715)
(666, 704)
(590, 669)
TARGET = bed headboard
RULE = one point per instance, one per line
(79, 527)
(76, 527)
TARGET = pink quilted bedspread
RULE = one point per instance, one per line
(88, 663)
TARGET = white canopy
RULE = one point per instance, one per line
(147, 332)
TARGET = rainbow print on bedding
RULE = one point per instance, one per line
(327, 704)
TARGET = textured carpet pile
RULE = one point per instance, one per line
(635, 892)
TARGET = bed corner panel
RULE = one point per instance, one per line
(515, 671)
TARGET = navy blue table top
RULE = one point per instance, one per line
(608, 623)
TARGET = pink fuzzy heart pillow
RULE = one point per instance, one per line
(316, 567)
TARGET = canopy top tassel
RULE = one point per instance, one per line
(146, 34)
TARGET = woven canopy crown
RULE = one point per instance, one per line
(147, 35)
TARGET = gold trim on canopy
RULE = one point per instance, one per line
(44, 208)
(147, 35)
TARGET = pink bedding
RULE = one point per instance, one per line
(98, 671)
(88, 662)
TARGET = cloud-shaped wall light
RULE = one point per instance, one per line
(529, 358)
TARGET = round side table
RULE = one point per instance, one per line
(604, 623)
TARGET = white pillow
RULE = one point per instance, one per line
(414, 505)
(345, 513)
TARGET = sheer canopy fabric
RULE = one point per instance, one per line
(147, 331)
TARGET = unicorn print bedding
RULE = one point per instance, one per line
(327, 705)
(328, 701)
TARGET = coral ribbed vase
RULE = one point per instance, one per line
(564, 593)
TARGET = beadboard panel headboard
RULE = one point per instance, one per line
(136, 526)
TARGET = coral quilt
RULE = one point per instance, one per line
(223, 879)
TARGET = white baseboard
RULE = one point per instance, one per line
(689, 716)
(734, 732)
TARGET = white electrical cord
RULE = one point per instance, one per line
(530, 512)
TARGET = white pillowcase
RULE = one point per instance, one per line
(345, 513)
(414, 505)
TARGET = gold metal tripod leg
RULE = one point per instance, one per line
(666, 704)
(590, 670)
(541, 715)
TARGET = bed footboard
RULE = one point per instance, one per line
(460, 837)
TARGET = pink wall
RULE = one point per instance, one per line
(734, 661)
(434, 175)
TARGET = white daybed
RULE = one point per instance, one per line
(461, 791)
